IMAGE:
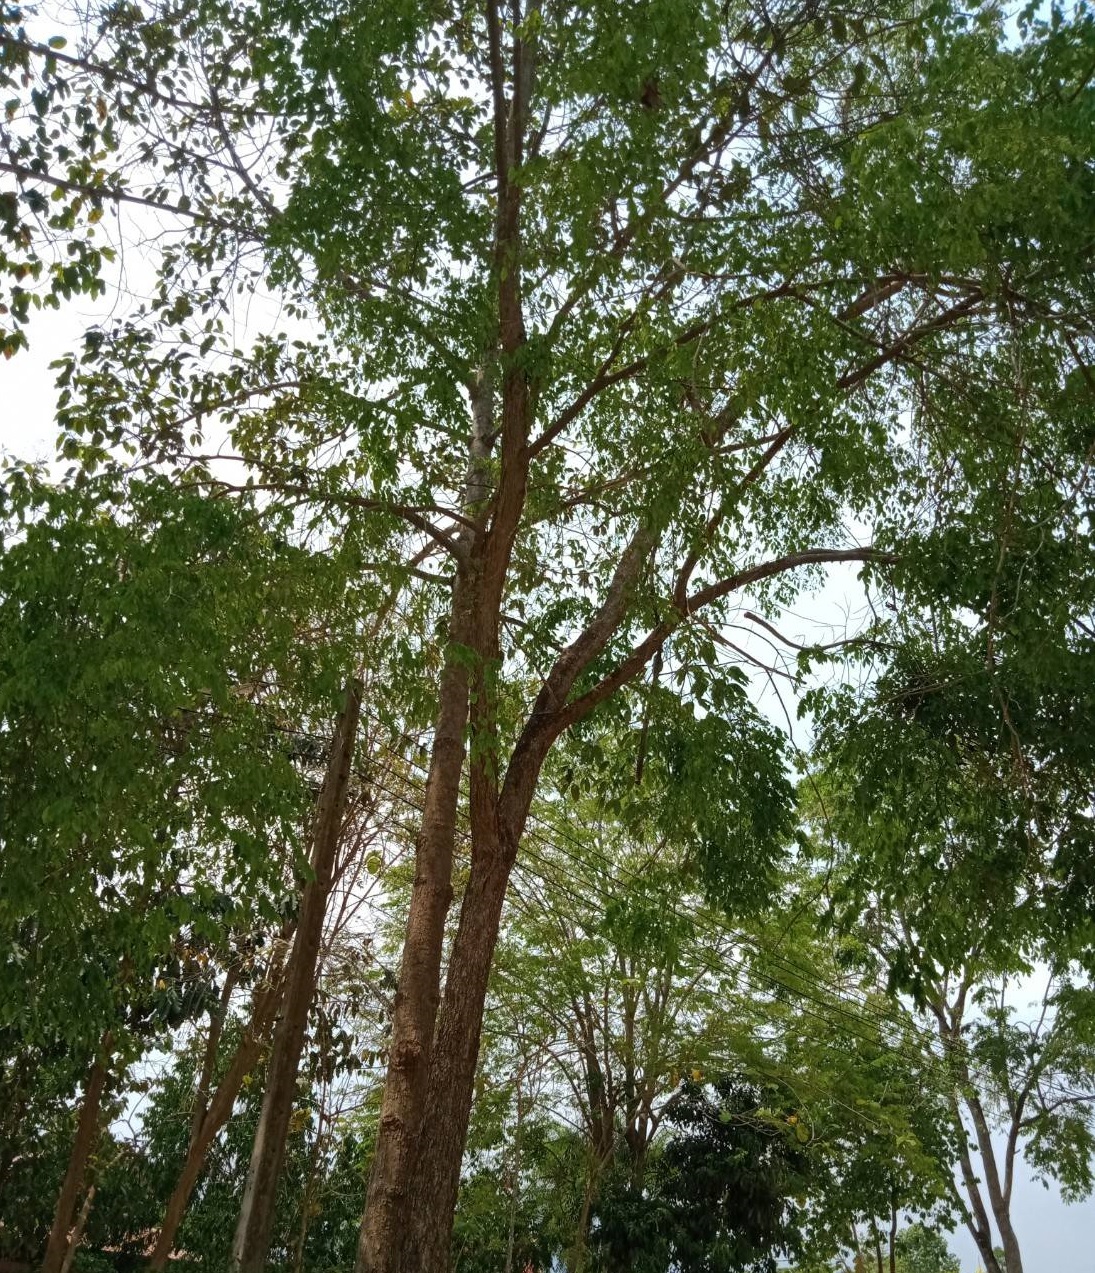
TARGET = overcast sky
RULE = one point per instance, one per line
(1055, 1238)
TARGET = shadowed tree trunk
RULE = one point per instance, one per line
(253, 1232)
(87, 1134)
(217, 1111)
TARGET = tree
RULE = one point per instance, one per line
(624, 314)
(921, 1250)
(256, 1214)
(139, 762)
(729, 1176)
(949, 875)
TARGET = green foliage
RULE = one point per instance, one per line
(720, 1194)
(786, 277)
(142, 758)
(921, 1250)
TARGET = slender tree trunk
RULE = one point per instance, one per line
(87, 1134)
(877, 1247)
(515, 1183)
(893, 1237)
(998, 1199)
(209, 1058)
(308, 1196)
(978, 1221)
(217, 1113)
(78, 1232)
(254, 1230)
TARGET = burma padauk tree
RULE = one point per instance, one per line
(622, 315)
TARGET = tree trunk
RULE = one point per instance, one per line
(87, 1134)
(78, 1231)
(254, 1230)
(978, 1221)
(453, 1064)
(209, 1059)
(217, 1113)
(402, 1112)
(877, 1247)
(893, 1237)
(998, 1199)
(514, 1184)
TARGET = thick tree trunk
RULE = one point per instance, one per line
(403, 1110)
(217, 1112)
(253, 1232)
(87, 1134)
(453, 1065)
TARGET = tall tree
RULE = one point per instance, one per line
(949, 876)
(624, 313)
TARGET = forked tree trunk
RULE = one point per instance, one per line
(978, 1221)
(217, 1112)
(87, 1135)
(254, 1230)
(999, 1198)
(383, 1228)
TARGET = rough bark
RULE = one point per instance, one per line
(452, 1068)
(253, 1232)
(87, 1134)
(217, 1112)
(418, 991)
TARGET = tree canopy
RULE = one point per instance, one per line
(484, 371)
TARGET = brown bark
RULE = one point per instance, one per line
(452, 1069)
(217, 1112)
(87, 1134)
(418, 990)
(253, 1232)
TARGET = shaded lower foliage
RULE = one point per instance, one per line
(718, 1196)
